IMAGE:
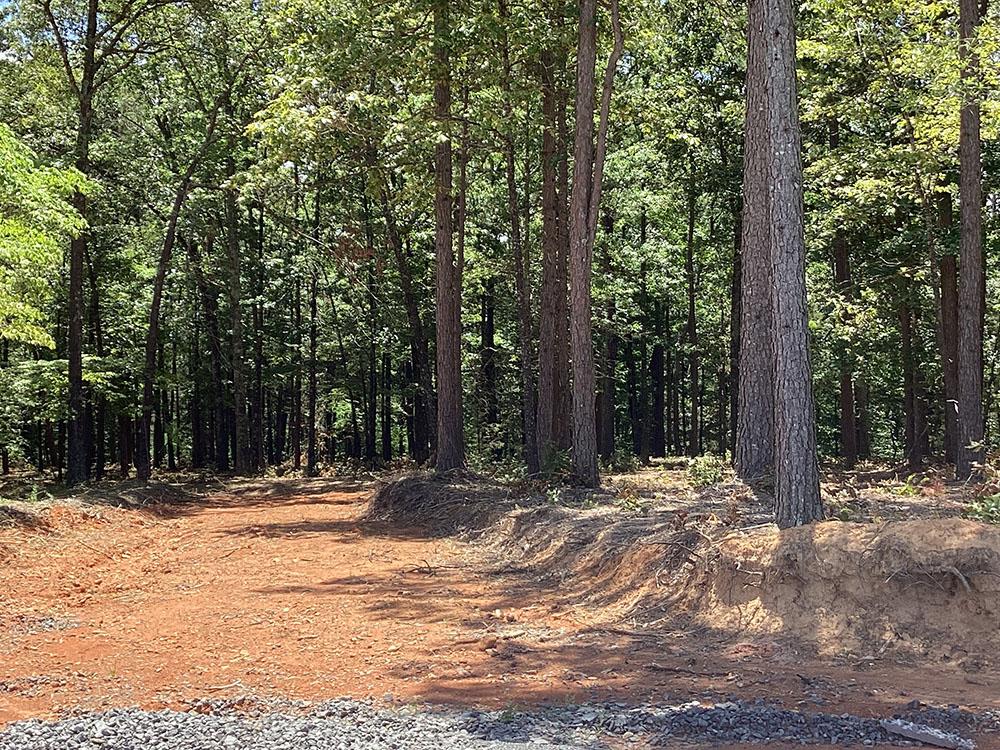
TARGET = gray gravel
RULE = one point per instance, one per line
(358, 725)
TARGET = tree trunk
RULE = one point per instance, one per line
(141, 459)
(658, 442)
(386, 406)
(971, 307)
(100, 437)
(451, 439)
(694, 358)
(522, 269)
(552, 329)
(296, 413)
(77, 469)
(949, 332)
(424, 416)
(210, 307)
(735, 317)
(241, 452)
(754, 454)
(312, 451)
(585, 200)
(257, 395)
(606, 405)
(848, 422)
(797, 496)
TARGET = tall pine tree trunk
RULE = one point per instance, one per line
(797, 496)
(450, 435)
(971, 452)
(754, 454)
(585, 201)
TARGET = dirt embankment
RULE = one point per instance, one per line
(927, 589)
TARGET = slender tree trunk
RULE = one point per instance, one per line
(949, 332)
(97, 325)
(257, 394)
(754, 454)
(296, 413)
(735, 317)
(210, 307)
(312, 451)
(552, 328)
(606, 405)
(141, 458)
(971, 282)
(658, 442)
(424, 416)
(632, 390)
(241, 426)
(848, 422)
(522, 270)
(694, 358)
(77, 469)
(842, 279)
(386, 406)
(797, 496)
(159, 416)
(911, 446)
(451, 439)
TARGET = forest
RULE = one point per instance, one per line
(298, 236)
(490, 374)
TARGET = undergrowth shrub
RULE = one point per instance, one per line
(706, 470)
(986, 509)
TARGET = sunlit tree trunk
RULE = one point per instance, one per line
(450, 423)
(971, 453)
(797, 496)
(754, 454)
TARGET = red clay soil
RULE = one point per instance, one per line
(282, 590)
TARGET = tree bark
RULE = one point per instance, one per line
(658, 442)
(451, 439)
(948, 315)
(552, 315)
(797, 496)
(754, 454)
(971, 282)
(76, 469)
(588, 175)
(694, 359)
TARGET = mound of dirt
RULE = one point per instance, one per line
(929, 587)
(926, 588)
(441, 505)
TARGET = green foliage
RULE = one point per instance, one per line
(35, 221)
(707, 470)
(986, 509)
(554, 465)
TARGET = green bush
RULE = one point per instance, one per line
(986, 510)
(706, 470)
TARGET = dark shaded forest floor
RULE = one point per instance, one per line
(287, 588)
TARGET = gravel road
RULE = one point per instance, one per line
(357, 725)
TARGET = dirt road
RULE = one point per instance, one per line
(281, 589)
